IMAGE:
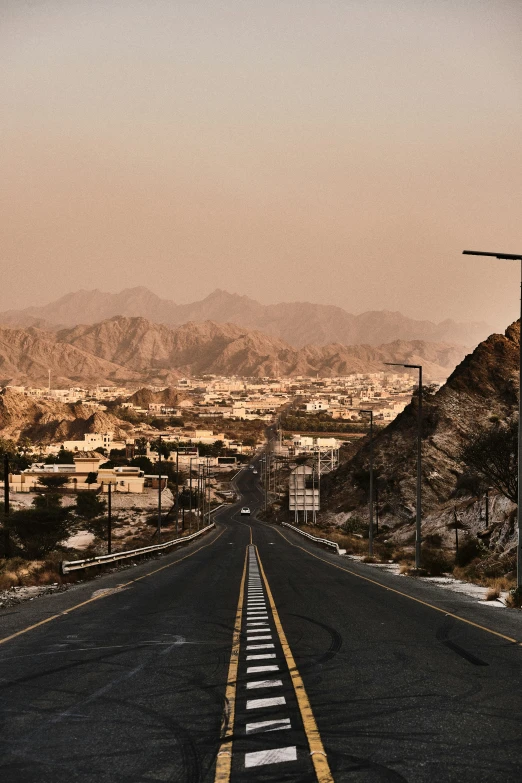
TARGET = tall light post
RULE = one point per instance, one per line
(159, 490)
(514, 257)
(190, 491)
(418, 520)
(370, 528)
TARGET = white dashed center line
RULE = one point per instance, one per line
(274, 756)
(258, 630)
(265, 684)
(257, 704)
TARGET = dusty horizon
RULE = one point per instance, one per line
(214, 291)
(334, 152)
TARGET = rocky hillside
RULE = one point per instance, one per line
(46, 421)
(27, 355)
(483, 386)
(226, 349)
(143, 397)
(133, 350)
(297, 323)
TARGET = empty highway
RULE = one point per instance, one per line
(251, 654)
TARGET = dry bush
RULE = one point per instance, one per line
(435, 561)
(493, 594)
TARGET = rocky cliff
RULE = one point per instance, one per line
(484, 386)
(47, 421)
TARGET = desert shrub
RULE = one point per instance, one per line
(468, 483)
(434, 561)
(470, 549)
(355, 525)
(514, 599)
(433, 540)
(53, 481)
(38, 532)
(89, 505)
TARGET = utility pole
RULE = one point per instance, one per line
(109, 519)
(177, 489)
(190, 496)
(159, 491)
(7, 540)
(208, 489)
(418, 514)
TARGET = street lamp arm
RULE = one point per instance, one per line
(503, 256)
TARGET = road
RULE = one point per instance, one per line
(254, 655)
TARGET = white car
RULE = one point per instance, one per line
(254, 471)
(245, 510)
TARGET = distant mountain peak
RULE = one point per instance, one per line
(298, 323)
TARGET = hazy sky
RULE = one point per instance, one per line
(336, 151)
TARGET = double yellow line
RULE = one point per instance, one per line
(224, 756)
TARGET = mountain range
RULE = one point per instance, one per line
(297, 323)
(134, 350)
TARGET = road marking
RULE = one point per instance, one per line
(257, 704)
(257, 669)
(260, 646)
(265, 684)
(224, 756)
(321, 766)
(405, 595)
(257, 638)
(274, 756)
(105, 595)
(262, 656)
(268, 725)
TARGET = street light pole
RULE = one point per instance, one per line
(514, 257)
(109, 519)
(418, 515)
(159, 491)
(7, 539)
(370, 528)
(190, 495)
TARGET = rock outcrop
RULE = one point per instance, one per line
(483, 388)
(47, 421)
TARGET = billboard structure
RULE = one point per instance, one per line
(304, 493)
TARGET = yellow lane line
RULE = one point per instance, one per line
(98, 597)
(404, 595)
(320, 762)
(224, 756)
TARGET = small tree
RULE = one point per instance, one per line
(38, 531)
(56, 481)
(89, 505)
(48, 501)
(92, 478)
(143, 463)
(493, 455)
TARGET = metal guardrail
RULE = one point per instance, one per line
(324, 541)
(76, 565)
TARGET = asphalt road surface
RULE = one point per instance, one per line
(252, 654)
